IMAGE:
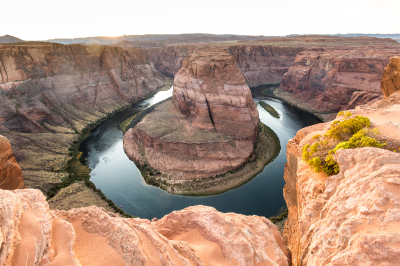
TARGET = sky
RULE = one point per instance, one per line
(48, 19)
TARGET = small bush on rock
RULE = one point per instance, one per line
(348, 133)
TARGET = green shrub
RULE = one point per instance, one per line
(348, 133)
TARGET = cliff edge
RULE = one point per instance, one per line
(350, 218)
(32, 234)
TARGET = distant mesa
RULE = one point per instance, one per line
(9, 39)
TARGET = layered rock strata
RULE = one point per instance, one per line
(391, 77)
(209, 128)
(32, 234)
(61, 88)
(10, 172)
(259, 64)
(349, 218)
(330, 81)
(50, 92)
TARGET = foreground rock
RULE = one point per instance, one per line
(350, 218)
(208, 129)
(32, 234)
(10, 172)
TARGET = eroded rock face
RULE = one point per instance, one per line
(209, 128)
(10, 172)
(348, 218)
(211, 90)
(198, 235)
(259, 64)
(391, 77)
(62, 88)
(339, 79)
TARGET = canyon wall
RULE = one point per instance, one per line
(10, 172)
(259, 64)
(391, 77)
(328, 81)
(50, 92)
(32, 234)
(58, 88)
(264, 64)
(350, 218)
(209, 128)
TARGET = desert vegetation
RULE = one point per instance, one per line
(271, 110)
(349, 132)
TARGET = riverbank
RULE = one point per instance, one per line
(266, 149)
(73, 188)
(274, 91)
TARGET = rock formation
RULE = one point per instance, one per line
(259, 64)
(334, 80)
(58, 88)
(349, 218)
(49, 92)
(10, 172)
(391, 77)
(209, 128)
(32, 234)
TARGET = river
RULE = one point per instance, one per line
(120, 180)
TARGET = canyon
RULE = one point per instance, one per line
(322, 75)
(209, 128)
(51, 92)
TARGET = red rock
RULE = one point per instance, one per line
(348, 218)
(340, 79)
(391, 77)
(46, 86)
(197, 235)
(10, 172)
(211, 130)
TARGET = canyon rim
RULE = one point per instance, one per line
(51, 95)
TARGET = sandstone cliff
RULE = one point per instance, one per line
(209, 128)
(10, 172)
(58, 88)
(259, 64)
(349, 218)
(391, 77)
(34, 235)
(51, 92)
(332, 80)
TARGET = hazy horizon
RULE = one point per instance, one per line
(45, 19)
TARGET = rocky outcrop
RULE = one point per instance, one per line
(60, 89)
(209, 128)
(211, 90)
(391, 77)
(332, 80)
(348, 218)
(10, 172)
(32, 234)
